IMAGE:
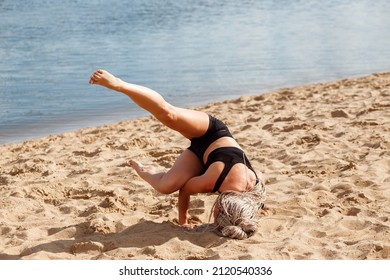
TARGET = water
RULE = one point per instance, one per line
(192, 52)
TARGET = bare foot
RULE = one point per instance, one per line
(105, 79)
(151, 176)
(141, 169)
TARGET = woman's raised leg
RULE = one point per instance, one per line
(189, 123)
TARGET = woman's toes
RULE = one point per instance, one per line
(134, 164)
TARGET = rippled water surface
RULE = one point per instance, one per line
(192, 52)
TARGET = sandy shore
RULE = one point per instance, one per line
(324, 150)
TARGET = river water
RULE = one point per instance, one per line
(192, 52)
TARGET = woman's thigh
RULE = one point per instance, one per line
(186, 166)
(190, 123)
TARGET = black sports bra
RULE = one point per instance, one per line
(229, 156)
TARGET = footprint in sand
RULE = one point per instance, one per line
(354, 224)
(342, 190)
(317, 234)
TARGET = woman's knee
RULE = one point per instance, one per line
(168, 187)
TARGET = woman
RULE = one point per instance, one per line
(214, 162)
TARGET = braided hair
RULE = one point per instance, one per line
(235, 212)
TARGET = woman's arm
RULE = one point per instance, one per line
(184, 201)
(200, 184)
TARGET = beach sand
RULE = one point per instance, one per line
(324, 150)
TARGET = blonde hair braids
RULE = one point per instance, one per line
(236, 212)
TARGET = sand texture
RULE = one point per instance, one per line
(324, 150)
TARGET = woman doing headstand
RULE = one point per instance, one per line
(214, 161)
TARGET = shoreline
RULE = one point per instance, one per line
(65, 124)
(323, 148)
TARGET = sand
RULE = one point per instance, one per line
(323, 148)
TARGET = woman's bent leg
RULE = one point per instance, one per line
(189, 123)
(186, 166)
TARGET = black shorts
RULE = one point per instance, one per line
(217, 129)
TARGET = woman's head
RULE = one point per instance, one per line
(235, 214)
